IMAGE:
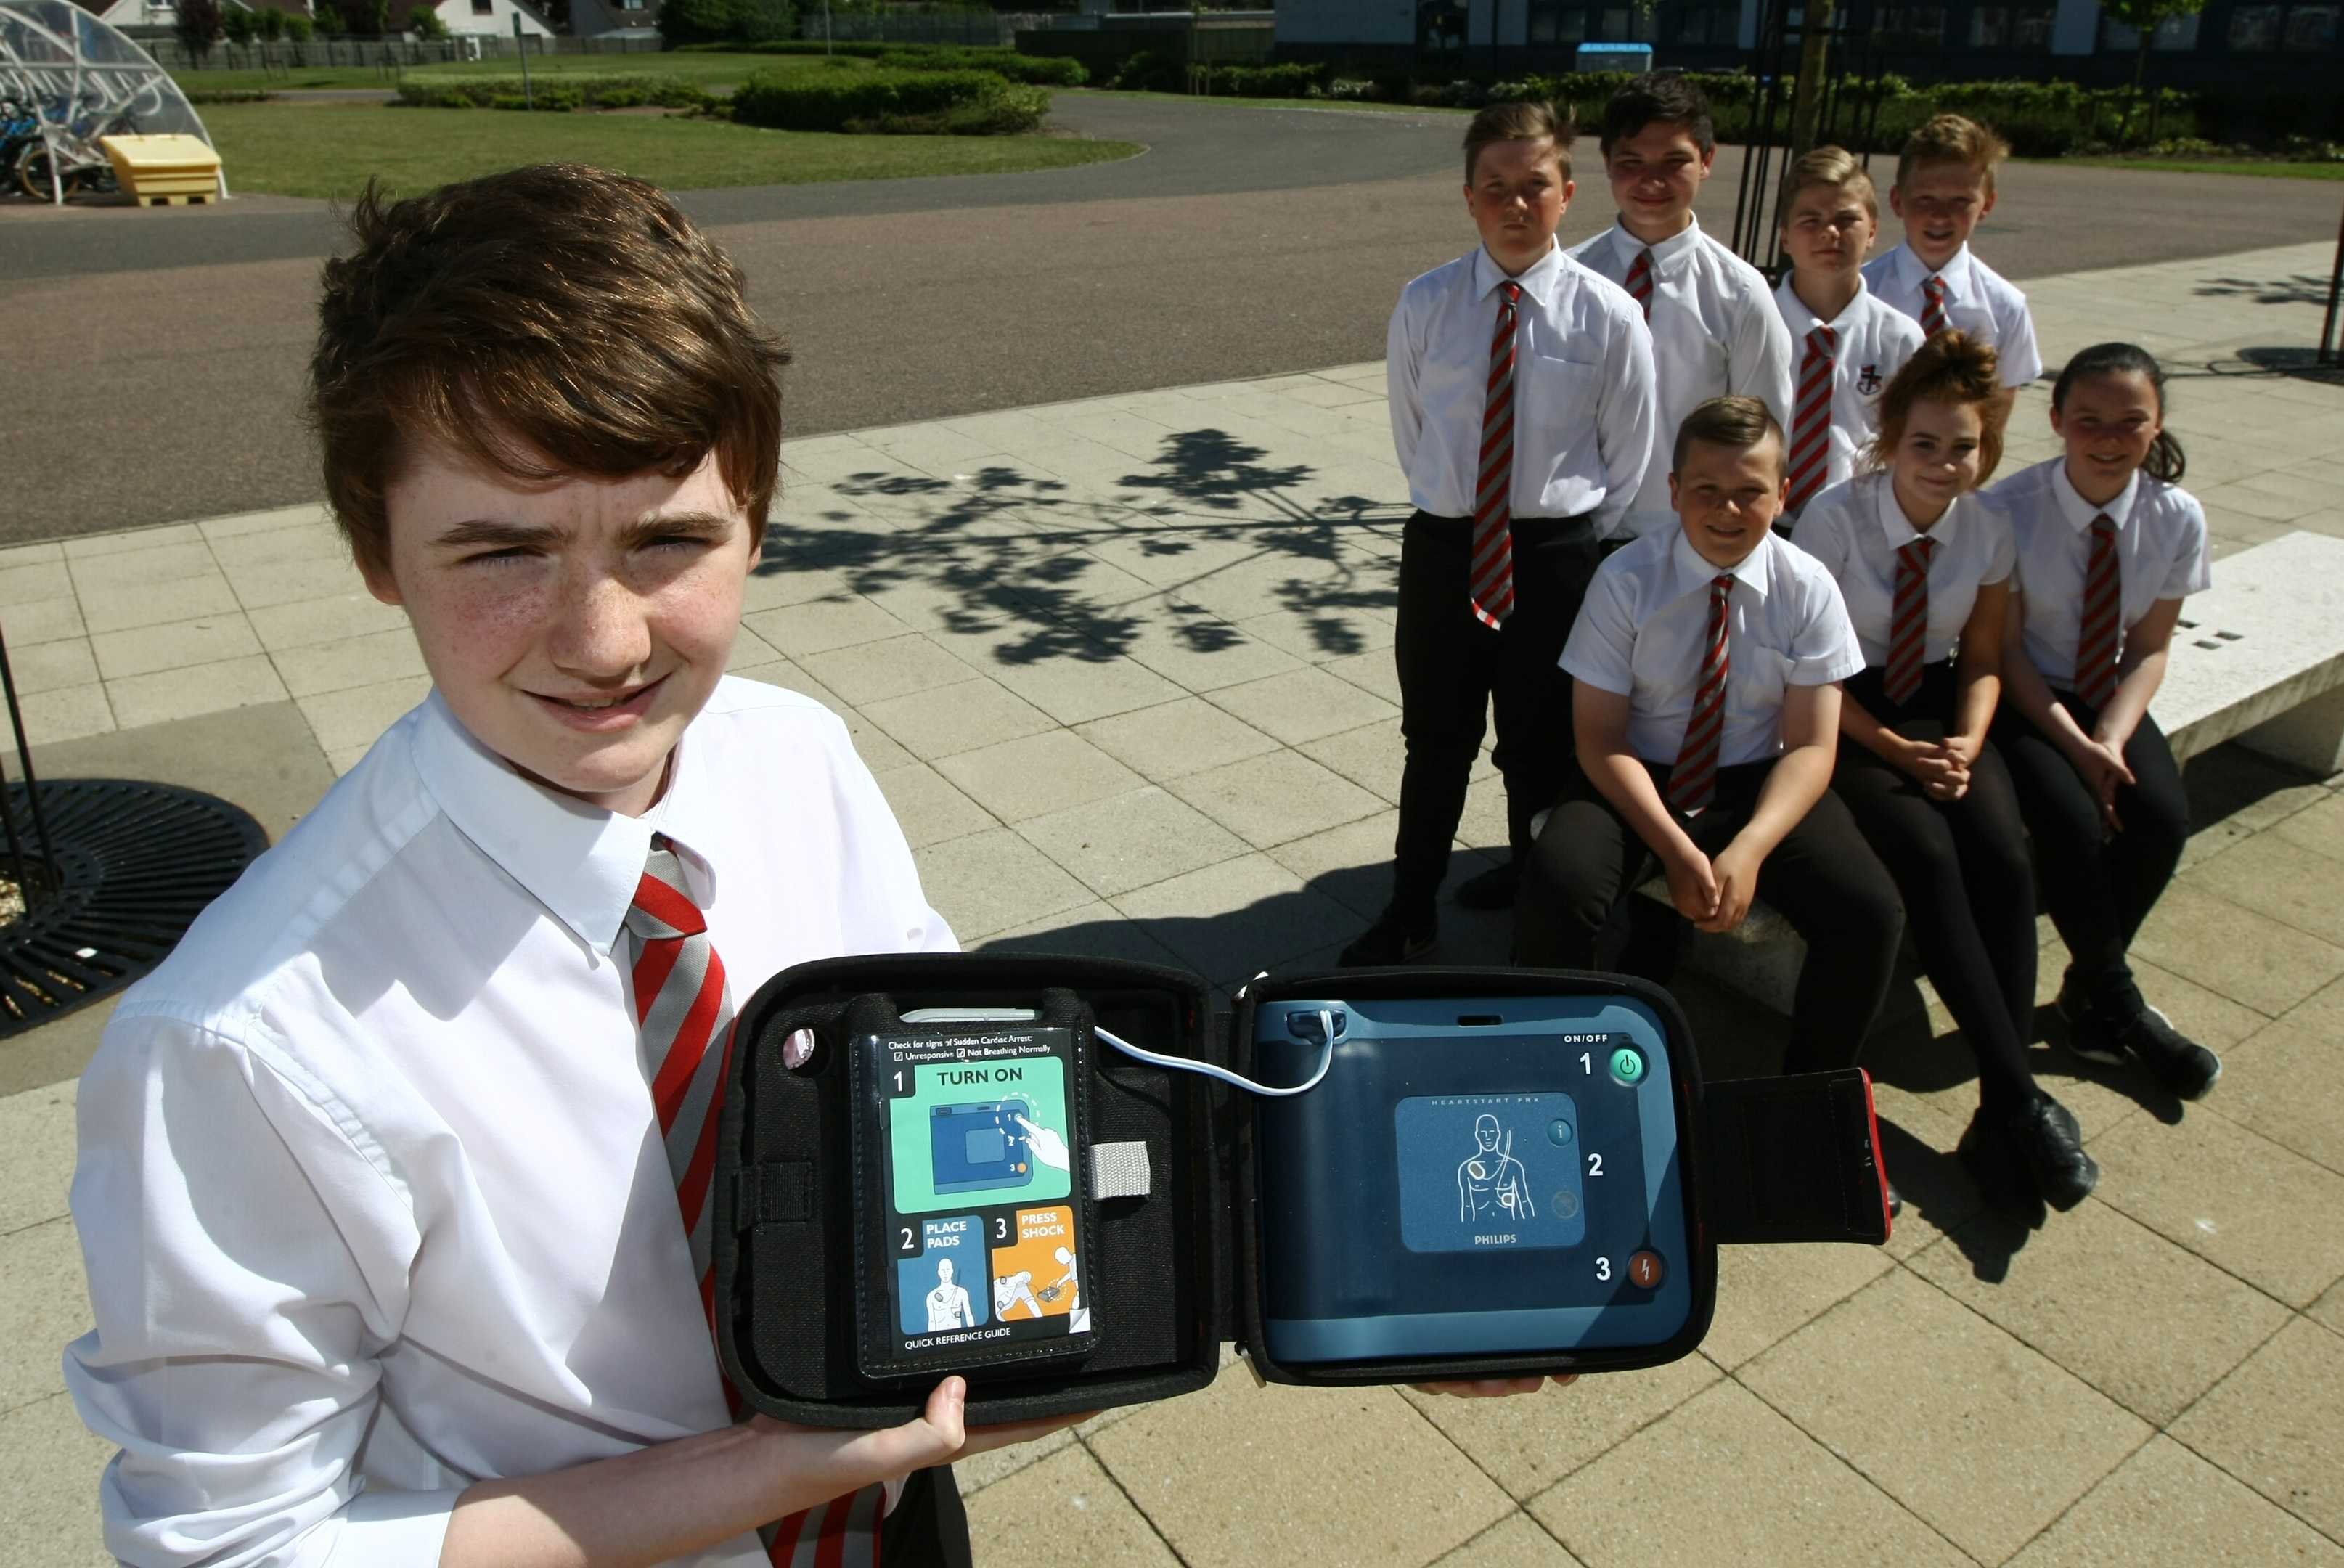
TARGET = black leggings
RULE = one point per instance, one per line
(1827, 884)
(2099, 886)
(1969, 891)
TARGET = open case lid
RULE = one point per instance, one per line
(1772, 1160)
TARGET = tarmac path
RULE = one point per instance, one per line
(160, 352)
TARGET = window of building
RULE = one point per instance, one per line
(1440, 25)
(2030, 27)
(1990, 27)
(1551, 22)
(2254, 27)
(2311, 28)
(2173, 34)
(1709, 24)
(1909, 26)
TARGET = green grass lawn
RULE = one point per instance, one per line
(330, 149)
(717, 73)
(2268, 167)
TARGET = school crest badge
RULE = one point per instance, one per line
(1867, 380)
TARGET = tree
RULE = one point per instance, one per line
(197, 24)
(2144, 18)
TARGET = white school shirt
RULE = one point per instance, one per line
(371, 1194)
(1874, 342)
(2161, 554)
(1714, 331)
(1978, 300)
(1583, 398)
(1857, 528)
(1644, 628)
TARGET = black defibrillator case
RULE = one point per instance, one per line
(802, 1312)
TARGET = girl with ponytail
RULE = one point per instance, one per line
(1924, 563)
(2108, 544)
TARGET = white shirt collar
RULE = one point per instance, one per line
(1801, 320)
(1899, 527)
(2078, 511)
(1694, 574)
(1955, 272)
(1664, 254)
(579, 861)
(1537, 279)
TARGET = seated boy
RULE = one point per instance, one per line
(1706, 666)
(1944, 187)
(394, 1178)
(1715, 332)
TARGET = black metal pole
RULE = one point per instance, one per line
(31, 785)
(2329, 349)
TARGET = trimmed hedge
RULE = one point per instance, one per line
(951, 103)
(1041, 70)
(561, 93)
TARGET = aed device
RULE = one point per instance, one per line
(1069, 1181)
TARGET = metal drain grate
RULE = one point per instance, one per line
(134, 864)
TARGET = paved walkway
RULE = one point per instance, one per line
(1123, 668)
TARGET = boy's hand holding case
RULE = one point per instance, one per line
(1229, 1239)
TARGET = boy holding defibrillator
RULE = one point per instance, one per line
(394, 1180)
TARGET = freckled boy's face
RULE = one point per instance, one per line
(1727, 498)
(577, 626)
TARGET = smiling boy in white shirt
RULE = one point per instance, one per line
(393, 1187)
(1715, 332)
(1944, 188)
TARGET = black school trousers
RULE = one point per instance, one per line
(1823, 876)
(1452, 668)
(2099, 885)
(1968, 887)
(929, 1528)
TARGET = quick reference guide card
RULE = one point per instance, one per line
(970, 1198)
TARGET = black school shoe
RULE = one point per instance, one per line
(1392, 939)
(2051, 1145)
(1493, 889)
(2185, 1067)
(1999, 1168)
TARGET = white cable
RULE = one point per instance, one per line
(1188, 1065)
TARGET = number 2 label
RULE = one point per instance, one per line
(1594, 1165)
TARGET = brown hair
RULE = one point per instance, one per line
(1519, 122)
(1954, 368)
(1833, 166)
(1666, 97)
(1950, 139)
(1739, 421)
(559, 319)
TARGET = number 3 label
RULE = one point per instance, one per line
(1604, 1268)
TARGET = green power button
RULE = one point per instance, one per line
(1628, 1066)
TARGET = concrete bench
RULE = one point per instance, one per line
(2259, 658)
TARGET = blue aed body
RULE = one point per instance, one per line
(1473, 1177)
(980, 1146)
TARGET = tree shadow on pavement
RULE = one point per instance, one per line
(1027, 559)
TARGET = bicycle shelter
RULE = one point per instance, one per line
(83, 80)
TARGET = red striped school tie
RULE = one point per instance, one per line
(1692, 784)
(1640, 280)
(1492, 576)
(682, 1011)
(1933, 307)
(1908, 626)
(1811, 423)
(2095, 648)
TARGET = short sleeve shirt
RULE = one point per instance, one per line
(1857, 530)
(1644, 628)
(2162, 552)
(1874, 341)
(1978, 300)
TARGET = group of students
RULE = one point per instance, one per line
(1722, 560)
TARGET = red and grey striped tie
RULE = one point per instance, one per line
(1492, 577)
(1692, 784)
(682, 1012)
(1811, 423)
(1908, 626)
(1640, 280)
(2096, 647)
(1933, 307)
